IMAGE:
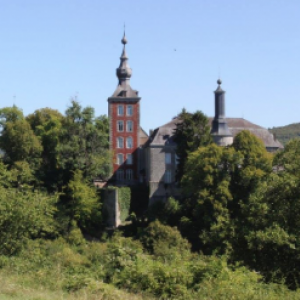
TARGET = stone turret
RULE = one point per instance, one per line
(222, 136)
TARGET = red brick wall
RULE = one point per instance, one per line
(114, 133)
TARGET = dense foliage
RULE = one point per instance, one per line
(192, 131)
(234, 234)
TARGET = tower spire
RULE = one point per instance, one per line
(124, 71)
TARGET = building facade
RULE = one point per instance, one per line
(151, 160)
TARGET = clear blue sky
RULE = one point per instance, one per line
(52, 50)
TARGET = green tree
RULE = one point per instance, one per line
(18, 140)
(272, 220)
(82, 203)
(84, 144)
(192, 131)
(255, 169)
(165, 242)
(25, 215)
(47, 125)
(206, 187)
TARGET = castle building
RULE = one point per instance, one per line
(151, 160)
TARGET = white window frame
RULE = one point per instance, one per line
(120, 111)
(129, 126)
(129, 174)
(129, 159)
(129, 145)
(120, 142)
(120, 158)
(168, 158)
(168, 176)
(129, 110)
(120, 126)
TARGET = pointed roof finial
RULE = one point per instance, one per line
(219, 82)
(124, 40)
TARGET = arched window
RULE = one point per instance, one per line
(129, 126)
(120, 142)
(129, 143)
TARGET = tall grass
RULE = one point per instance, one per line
(120, 269)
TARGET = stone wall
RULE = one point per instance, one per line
(111, 208)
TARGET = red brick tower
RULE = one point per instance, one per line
(124, 126)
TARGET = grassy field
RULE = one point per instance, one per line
(12, 288)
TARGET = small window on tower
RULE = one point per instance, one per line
(120, 125)
(120, 142)
(129, 174)
(129, 143)
(129, 110)
(120, 159)
(129, 126)
(129, 159)
(120, 110)
(120, 174)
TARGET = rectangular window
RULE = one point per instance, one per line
(120, 159)
(129, 174)
(129, 144)
(120, 125)
(120, 174)
(129, 159)
(129, 126)
(176, 159)
(120, 110)
(168, 176)
(129, 110)
(168, 158)
(120, 142)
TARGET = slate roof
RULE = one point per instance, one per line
(164, 135)
(130, 93)
(238, 124)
